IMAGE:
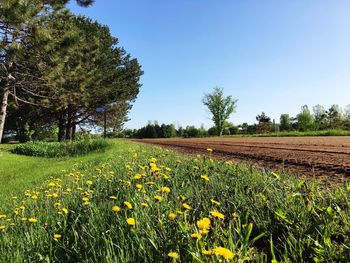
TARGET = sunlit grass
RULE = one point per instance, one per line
(146, 204)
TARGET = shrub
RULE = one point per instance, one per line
(60, 149)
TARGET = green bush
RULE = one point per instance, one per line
(60, 149)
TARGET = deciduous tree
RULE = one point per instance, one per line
(285, 122)
(220, 106)
(305, 119)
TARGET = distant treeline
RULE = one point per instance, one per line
(320, 119)
(154, 130)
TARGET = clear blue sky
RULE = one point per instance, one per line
(274, 56)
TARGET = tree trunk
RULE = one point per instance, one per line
(61, 126)
(3, 109)
(74, 128)
(69, 126)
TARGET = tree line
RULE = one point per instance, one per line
(156, 130)
(321, 119)
(335, 118)
(56, 68)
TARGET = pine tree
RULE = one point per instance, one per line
(19, 23)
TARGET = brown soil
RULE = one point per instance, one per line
(312, 156)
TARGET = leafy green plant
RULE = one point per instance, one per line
(57, 149)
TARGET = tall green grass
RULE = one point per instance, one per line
(60, 149)
(267, 216)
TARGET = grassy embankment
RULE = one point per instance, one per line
(146, 204)
(18, 172)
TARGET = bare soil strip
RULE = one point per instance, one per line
(325, 157)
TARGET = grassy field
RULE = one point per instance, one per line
(18, 173)
(138, 203)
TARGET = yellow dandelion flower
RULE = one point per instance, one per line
(57, 236)
(214, 202)
(150, 183)
(205, 177)
(54, 195)
(113, 197)
(210, 150)
(154, 167)
(217, 214)
(24, 219)
(224, 252)
(52, 184)
(172, 216)
(32, 220)
(131, 221)
(196, 235)
(89, 182)
(65, 210)
(115, 208)
(137, 177)
(22, 207)
(165, 189)
(86, 203)
(85, 199)
(128, 204)
(186, 206)
(139, 186)
(204, 223)
(144, 204)
(34, 197)
(2, 227)
(174, 255)
(168, 169)
(2, 216)
(158, 198)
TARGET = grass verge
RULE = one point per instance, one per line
(146, 204)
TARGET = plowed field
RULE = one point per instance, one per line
(311, 156)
